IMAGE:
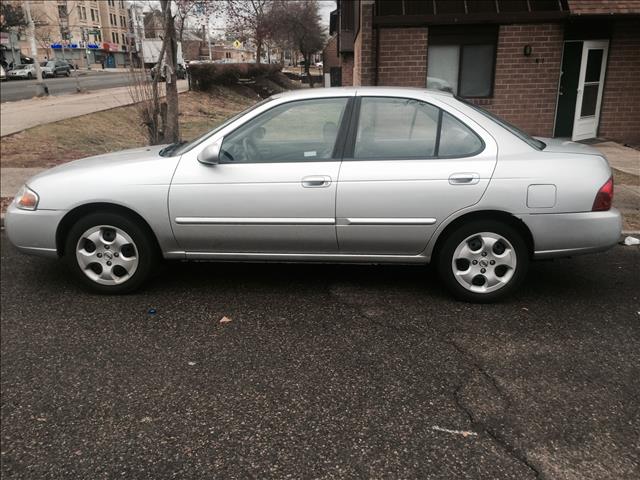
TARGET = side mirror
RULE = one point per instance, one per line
(210, 155)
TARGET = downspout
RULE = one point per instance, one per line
(377, 56)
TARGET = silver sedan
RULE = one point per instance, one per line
(368, 175)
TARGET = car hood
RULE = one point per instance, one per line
(105, 178)
(125, 158)
(560, 145)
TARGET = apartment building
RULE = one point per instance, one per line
(563, 68)
(83, 32)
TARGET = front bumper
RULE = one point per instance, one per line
(33, 232)
(568, 234)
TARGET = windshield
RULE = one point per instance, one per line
(521, 134)
(20, 67)
(189, 145)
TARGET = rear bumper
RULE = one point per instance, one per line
(33, 232)
(568, 234)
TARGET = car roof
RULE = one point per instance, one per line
(320, 92)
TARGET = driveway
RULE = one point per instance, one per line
(323, 372)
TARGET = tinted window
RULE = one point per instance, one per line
(456, 139)
(396, 128)
(297, 131)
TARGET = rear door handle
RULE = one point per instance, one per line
(316, 181)
(464, 178)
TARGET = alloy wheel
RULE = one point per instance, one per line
(107, 255)
(484, 262)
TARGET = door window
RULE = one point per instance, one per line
(293, 132)
(591, 83)
(400, 128)
(396, 128)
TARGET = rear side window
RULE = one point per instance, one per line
(400, 128)
(456, 139)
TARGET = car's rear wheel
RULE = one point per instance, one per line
(29, 76)
(110, 253)
(68, 73)
(483, 261)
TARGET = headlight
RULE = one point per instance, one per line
(26, 199)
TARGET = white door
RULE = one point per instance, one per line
(590, 86)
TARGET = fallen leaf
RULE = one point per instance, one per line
(225, 320)
(192, 363)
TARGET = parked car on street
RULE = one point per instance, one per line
(22, 71)
(181, 72)
(366, 175)
(53, 68)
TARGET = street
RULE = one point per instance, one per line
(12, 90)
(323, 371)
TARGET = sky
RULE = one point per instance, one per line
(326, 6)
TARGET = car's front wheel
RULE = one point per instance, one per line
(110, 253)
(483, 261)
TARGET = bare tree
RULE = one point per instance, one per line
(307, 34)
(248, 19)
(170, 43)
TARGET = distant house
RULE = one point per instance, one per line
(565, 68)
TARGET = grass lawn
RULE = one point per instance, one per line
(113, 130)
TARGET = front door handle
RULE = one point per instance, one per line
(464, 178)
(316, 181)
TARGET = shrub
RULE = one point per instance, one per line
(204, 76)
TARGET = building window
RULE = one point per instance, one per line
(462, 60)
(227, 55)
(112, 3)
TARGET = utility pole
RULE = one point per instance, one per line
(41, 88)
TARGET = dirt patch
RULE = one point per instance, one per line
(116, 129)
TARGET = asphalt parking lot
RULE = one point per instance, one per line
(322, 372)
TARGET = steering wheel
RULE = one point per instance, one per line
(251, 152)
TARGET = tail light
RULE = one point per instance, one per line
(604, 197)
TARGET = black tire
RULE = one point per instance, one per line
(444, 260)
(29, 76)
(146, 251)
(68, 73)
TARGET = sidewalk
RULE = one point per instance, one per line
(621, 158)
(23, 114)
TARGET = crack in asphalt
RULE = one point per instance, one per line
(499, 439)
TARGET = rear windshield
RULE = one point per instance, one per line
(522, 135)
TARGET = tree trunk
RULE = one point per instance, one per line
(172, 127)
(307, 62)
(258, 50)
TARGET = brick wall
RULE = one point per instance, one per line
(347, 70)
(402, 59)
(330, 56)
(526, 88)
(620, 110)
(596, 7)
(364, 47)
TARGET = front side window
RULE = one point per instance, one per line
(293, 132)
(396, 128)
(401, 128)
(462, 61)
